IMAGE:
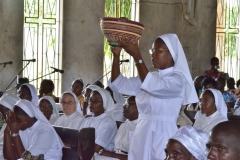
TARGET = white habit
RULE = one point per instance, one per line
(205, 123)
(73, 121)
(105, 130)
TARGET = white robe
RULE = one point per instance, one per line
(73, 121)
(158, 100)
(105, 130)
(53, 119)
(39, 139)
(205, 123)
(1, 140)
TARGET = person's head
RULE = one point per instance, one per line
(99, 84)
(77, 87)
(28, 92)
(207, 103)
(160, 54)
(238, 83)
(221, 83)
(224, 141)
(7, 103)
(100, 101)
(231, 83)
(208, 82)
(197, 82)
(214, 62)
(47, 86)
(187, 144)
(87, 91)
(23, 111)
(130, 110)
(48, 107)
(111, 93)
(68, 103)
(21, 81)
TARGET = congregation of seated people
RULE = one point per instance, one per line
(29, 120)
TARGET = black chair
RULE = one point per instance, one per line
(86, 141)
(234, 118)
(70, 138)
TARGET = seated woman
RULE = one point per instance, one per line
(28, 92)
(122, 139)
(187, 144)
(86, 93)
(213, 110)
(71, 118)
(118, 106)
(77, 88)
(214, 72)
(101, 105)
(47, 88)
(48, 107)
(29, 135)
(7, 103)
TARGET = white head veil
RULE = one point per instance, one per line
(50, 99)
(181, 65)
(108, 103)
(33, 93)
(32, 111)
(219, 101)
(78, 106)
(194, 141)
(9, 100)
(118, 111)
(92, 87)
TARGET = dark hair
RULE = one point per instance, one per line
(214, 59)
(23, 80)
(98, 83)
(80, 81)
(50, 82)
(19, 111)
(209, 80)
(221, 79)
(238, 83)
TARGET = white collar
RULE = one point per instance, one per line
(166, 71)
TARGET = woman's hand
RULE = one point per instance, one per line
(116, 50)
(13, 123)
(129, 47)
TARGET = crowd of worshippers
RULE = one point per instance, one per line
(29, 117)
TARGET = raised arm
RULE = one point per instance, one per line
(8, 150)
(115, 64)
(133, 50)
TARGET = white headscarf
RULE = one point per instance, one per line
(92, 87)
(32, 111)
(219, 101)
(50, 99)
(194, 140)
(33, 93)
(118, 110)
(181, 65)
(108, 103)
(78, 106)
(9, 100)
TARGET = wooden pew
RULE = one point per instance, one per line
(86, 141)
(70, 138)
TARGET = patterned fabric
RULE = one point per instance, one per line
(214, 76)
(227, 97)
(27, 156)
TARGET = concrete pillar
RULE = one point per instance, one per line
(82, 41)
(194, 21)
(11, 39)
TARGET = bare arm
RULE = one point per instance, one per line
(115, 64)
(133, 50)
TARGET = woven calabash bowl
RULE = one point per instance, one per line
(118, 29)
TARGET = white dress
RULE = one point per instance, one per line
(39, 139)
(105, 130)
(73, 121)
(1, 140)
(159, 100)
(205, 123)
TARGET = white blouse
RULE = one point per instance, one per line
(105, 130)
(205, 123)
(73, 121)
(39, 139)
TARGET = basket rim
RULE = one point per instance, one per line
(123, 20)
